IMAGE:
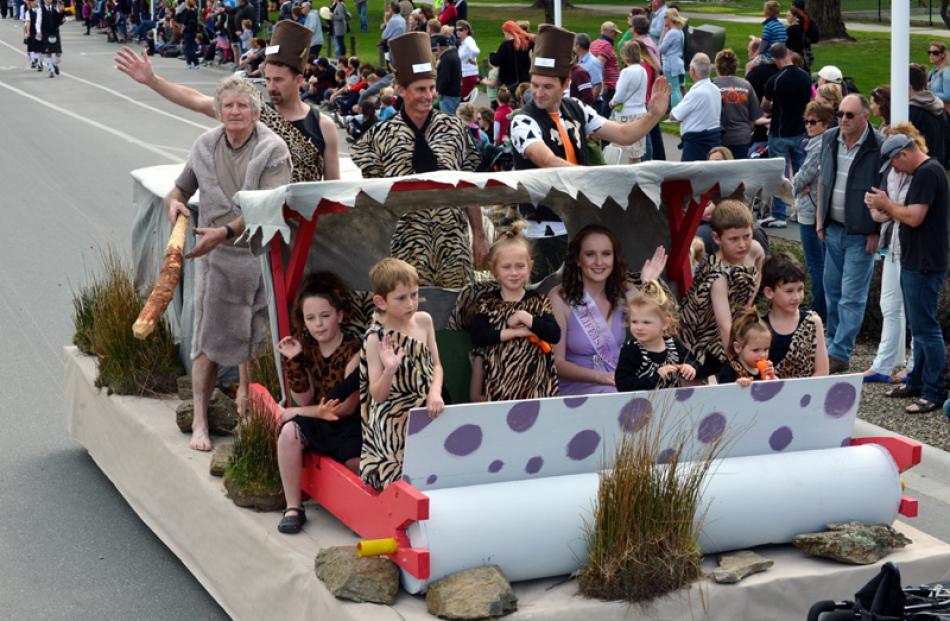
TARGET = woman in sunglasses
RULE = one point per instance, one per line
(938, 80)
(818, 118)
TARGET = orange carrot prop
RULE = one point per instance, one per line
(762, 365)
(542, 345)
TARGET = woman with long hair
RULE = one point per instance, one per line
(631, 95)
(938, 80)
(588, 306)
(881, 106)
(671, 54)
(468, 55)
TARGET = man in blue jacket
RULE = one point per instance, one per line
(850, 162)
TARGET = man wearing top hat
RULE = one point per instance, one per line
(420, 139)
(310, 136)
(552, 130)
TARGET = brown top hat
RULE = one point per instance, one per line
(411, 55)
(289, 45)
(553, 47)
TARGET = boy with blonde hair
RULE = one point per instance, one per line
(399, 370)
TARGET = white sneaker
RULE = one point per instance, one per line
(766, 221)
(775, 224)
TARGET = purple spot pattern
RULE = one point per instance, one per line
(780, 439)
(711, 428)
(495, 466)
(431, 479)
(523, 415)
(846, 442)
(574, 402)
(684, 393)
(665, 456)
(764, 391)
(418, 420)
(406, 478)
(583, 444)
(805, 401)
(464, 441)
(635, 414)
(839, 399)
(534, 465)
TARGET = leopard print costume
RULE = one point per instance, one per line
(799, 361)
(384, 424)
(434, 241)
(310, 368)
(306, 158)
(516, 369)
(698, 328)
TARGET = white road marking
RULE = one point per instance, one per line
(116, 93)
(131, 139)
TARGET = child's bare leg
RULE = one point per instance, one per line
(203, 375)
(290, 461)
(353, 465)
(245, 377)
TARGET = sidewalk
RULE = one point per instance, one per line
(725, 17)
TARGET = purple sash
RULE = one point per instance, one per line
(591, 320)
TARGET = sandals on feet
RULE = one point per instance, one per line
(921, 406)
(902, 392)
(292, 523)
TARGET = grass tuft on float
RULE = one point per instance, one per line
(104, 311)
(253, 468)
(643, 541)
(265, 370)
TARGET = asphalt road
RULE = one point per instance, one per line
(70, 547)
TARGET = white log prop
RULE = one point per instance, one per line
(536, 528)
(164, 289)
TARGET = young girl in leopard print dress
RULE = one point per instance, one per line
(513, 328)
(798, 346)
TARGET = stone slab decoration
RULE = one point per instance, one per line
(255, 573)
(472, 444)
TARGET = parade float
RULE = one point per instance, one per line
(510, 484)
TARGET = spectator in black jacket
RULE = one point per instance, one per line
(448, 80)
(927, 114)
(513, 62)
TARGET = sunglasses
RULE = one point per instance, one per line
(934, 52)
(812, 121)
(846, 115)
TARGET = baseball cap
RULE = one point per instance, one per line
(609, 27)
(441, 40)
(831, 73)
(892, 146)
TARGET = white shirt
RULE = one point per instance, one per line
(468, 54)
(525, 131)
(631, 91)
(701, 109)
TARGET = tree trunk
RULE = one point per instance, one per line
(548, 6)
(827, 14)
(945, 12)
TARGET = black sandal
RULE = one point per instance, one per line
(902, 392)
(921, 406)
(292, 524)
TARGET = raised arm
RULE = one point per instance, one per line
(139, 68)
(628, 133)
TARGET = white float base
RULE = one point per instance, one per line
(254, 572)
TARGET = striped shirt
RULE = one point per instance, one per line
(603, 48)
(845, 158)
(772, 32)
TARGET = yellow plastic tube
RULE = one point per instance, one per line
(376, 547)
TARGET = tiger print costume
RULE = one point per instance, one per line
(434, 241)
(698, 328)
(799, 347)
(384, 424)
(305, 156)
(638, 368)
(516, 369)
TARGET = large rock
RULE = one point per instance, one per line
(472, 594)
(853, 542)
(219, 460)
(736, 566)
(259, 500)
(222, 414)
(184, 388)
(346, 576)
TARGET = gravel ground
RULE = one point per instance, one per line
(932, 428)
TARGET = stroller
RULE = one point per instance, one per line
(883, 599)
